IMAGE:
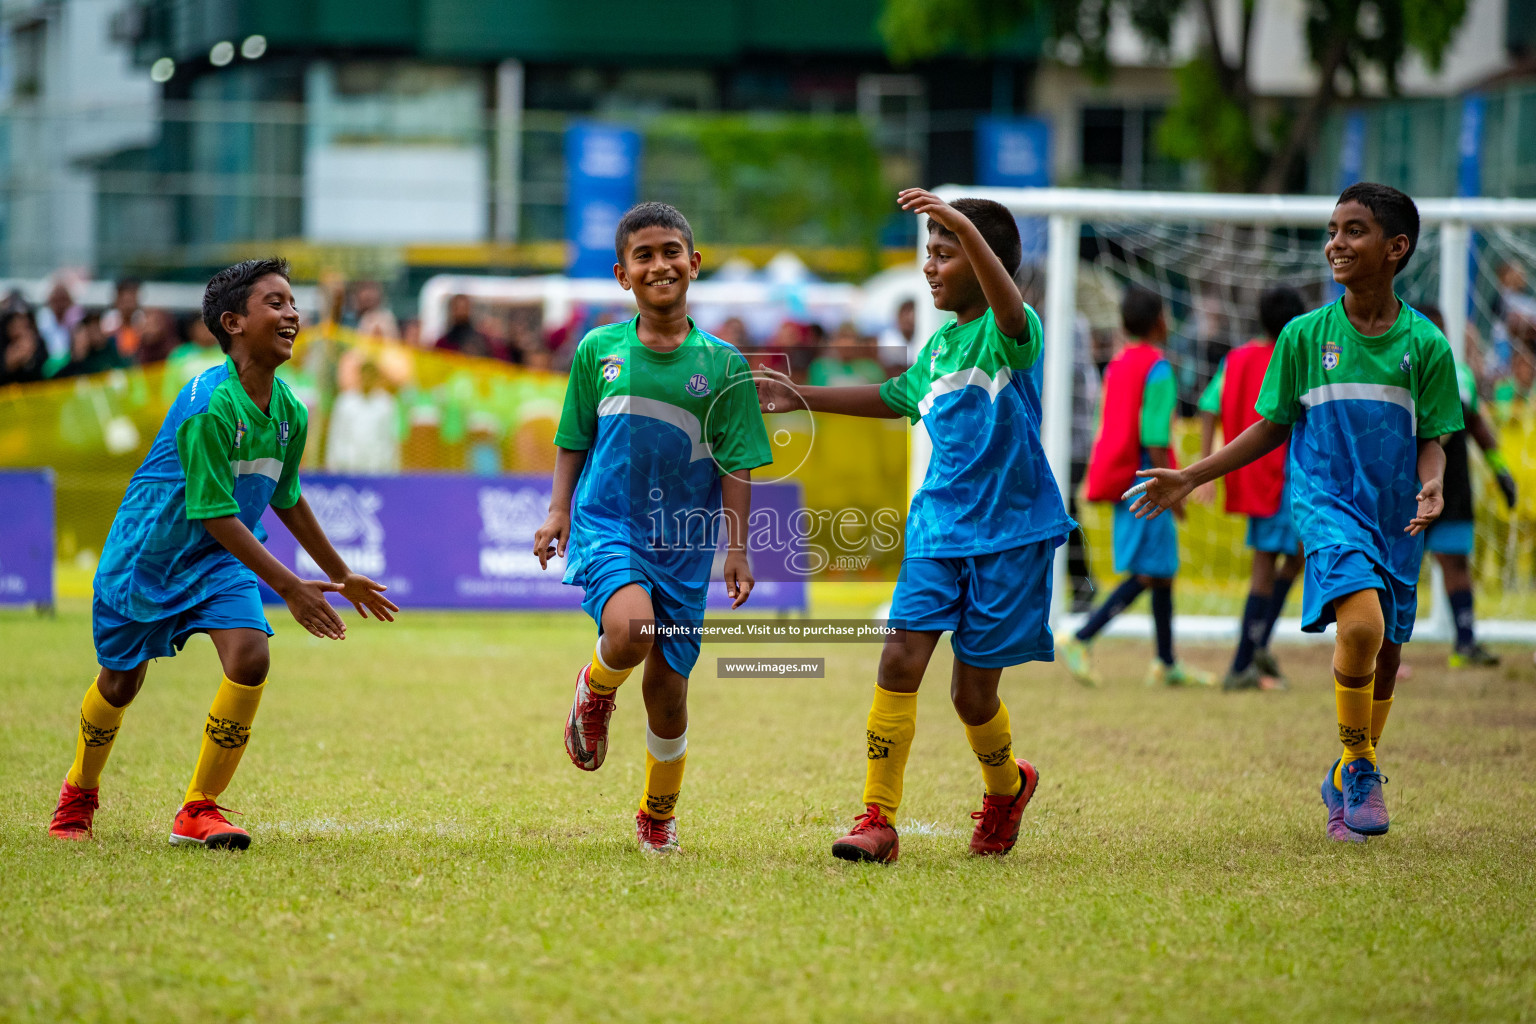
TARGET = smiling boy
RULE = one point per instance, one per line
(1365, 391)
(656, 444)
(983, 527)
(185, 551)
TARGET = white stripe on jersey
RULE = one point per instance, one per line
(1388, 393)
(652, 408)
(974, 376)
(272, 469)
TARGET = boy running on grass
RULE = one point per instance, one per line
(982, 529)
(1365, 390)
(1257, 491)
(185, 552)
(1135, 432)
(657, 443)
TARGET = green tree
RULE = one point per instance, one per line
(1215, 116)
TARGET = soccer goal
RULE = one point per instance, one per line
(1210, 256)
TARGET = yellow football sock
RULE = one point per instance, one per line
(99, 722)
(892, 724)
(993, 745)
(664, 761)
(1380, 709)
(1353, 704)
(601, 679)
(224, 738)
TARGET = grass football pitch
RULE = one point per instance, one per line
(423, 851)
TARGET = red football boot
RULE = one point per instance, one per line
(873, 839)
(72, 818)
(586, 727)
(656, 835)
(997, 823)
(202, 823)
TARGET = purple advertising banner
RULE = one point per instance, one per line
(440, 541)
(26, 536)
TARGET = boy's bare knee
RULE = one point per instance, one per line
(248, 665)
(900, 669)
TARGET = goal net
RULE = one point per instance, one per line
(1210, 257)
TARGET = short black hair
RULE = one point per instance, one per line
(230, 289)
(1393, 210)
(1278, 306)
(650, 215)
(997, 226)
(1139, 310)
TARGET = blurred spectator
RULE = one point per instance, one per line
(1514, 315)
(56, 322)
(200, 352)
(1514, 394)
(364, 433)
(369, 315)
(410, 332)
(125, 319)
(734, 330)
(92, 349)
(464, 337)
(24, 355)
(845, 362)
(15, 302)
(897, 341)
(159, 335)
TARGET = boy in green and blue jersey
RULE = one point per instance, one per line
(185, 551)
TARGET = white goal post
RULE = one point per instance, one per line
(1066, 210)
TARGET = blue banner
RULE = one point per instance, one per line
(1015, 152)
(441, 541)
(26, 536)
(1352, 149)
(1469, 147)
(602, 170)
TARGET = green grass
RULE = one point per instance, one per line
(423, 850)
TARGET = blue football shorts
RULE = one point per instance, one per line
(1145, 547)
(678, 606)
(1336, 572)
(997, 605)
(125, 644)
(1449, 538)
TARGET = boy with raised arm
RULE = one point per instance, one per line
(983, 526)
(185, 552)
(1365, 391)
(656, 444)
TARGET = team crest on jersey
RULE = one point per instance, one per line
(611, 367)
(1330, 355)
(1403, 366)
(698, 385)
(282, 433)
(239, 432)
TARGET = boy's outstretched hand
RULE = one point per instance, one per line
(738, 577)
(555, 533)
(920, 200)
(1431, 498)
(307, 604)
(1166, 490)
(776, 391)
(366, 596)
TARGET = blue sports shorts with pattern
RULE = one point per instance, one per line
(124, 644)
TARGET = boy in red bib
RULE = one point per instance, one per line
(1135, 432)
(1257, 491)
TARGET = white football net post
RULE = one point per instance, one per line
(1171, 225)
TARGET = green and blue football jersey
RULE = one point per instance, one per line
(1357, 406)
(988, 486)
(660, 429)
(216, 455)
